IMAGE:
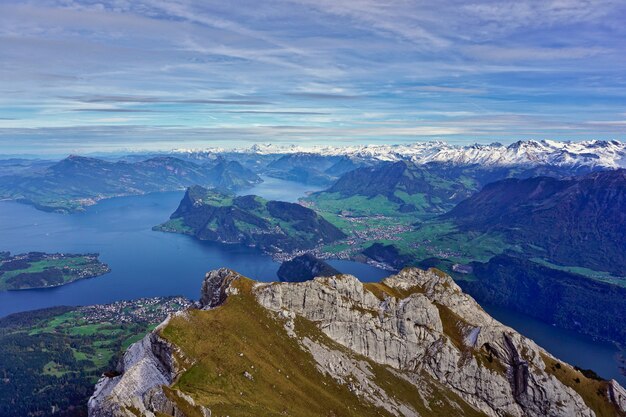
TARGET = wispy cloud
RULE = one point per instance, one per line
(161, 100)
(76, 73)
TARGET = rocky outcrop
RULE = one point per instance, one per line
(416, 327)
(438, 329)
(146, 366)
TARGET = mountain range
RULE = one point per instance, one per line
(593, 153)
(76, 181)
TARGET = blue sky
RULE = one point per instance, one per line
(83, 76)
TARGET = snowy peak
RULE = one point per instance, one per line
(593, 153)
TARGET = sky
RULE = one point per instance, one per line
(97, 76)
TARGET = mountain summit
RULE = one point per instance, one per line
(411, 345)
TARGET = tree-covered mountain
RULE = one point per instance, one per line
(576, 221)
(402, 187)
(559, 297)
(273, 226)
(303, 268)
(231, 175)
(76, 182)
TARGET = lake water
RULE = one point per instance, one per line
(145, 263)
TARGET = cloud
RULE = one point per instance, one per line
(444, 89)
(185, 71)
(161, 100)
(107, 110)
(323, 96)
(278, 112)
(513, 53)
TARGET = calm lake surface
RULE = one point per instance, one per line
(145, 263)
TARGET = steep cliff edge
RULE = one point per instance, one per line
(411, 345)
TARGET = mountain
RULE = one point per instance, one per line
(76, 182)
(401, 186)
(304, 160)
(592, 154)
(387, 255)
(576, 221)
(310, 176)
(231, 175)
(305, 168)
(304, 268)
(273, 226)
(411, 345)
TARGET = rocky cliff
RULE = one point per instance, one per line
(411, 345)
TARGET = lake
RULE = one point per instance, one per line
(146, 263)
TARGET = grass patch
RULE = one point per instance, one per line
(593, 392)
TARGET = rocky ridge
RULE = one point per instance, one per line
(411, 345)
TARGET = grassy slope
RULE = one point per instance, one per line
(592, 391)
(429, 237)
(244, 337)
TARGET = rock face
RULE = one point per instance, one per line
(444, 354)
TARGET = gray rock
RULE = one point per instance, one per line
(433, 336)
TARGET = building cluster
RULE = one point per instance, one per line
(144, 310)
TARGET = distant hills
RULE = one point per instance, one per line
(273, 226)
(76, 182)
(310, 168)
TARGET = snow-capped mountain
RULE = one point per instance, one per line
(594, 153)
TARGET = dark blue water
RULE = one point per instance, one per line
(144, 263)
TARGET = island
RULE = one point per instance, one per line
(44, 270)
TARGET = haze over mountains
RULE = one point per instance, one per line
(77, 181)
